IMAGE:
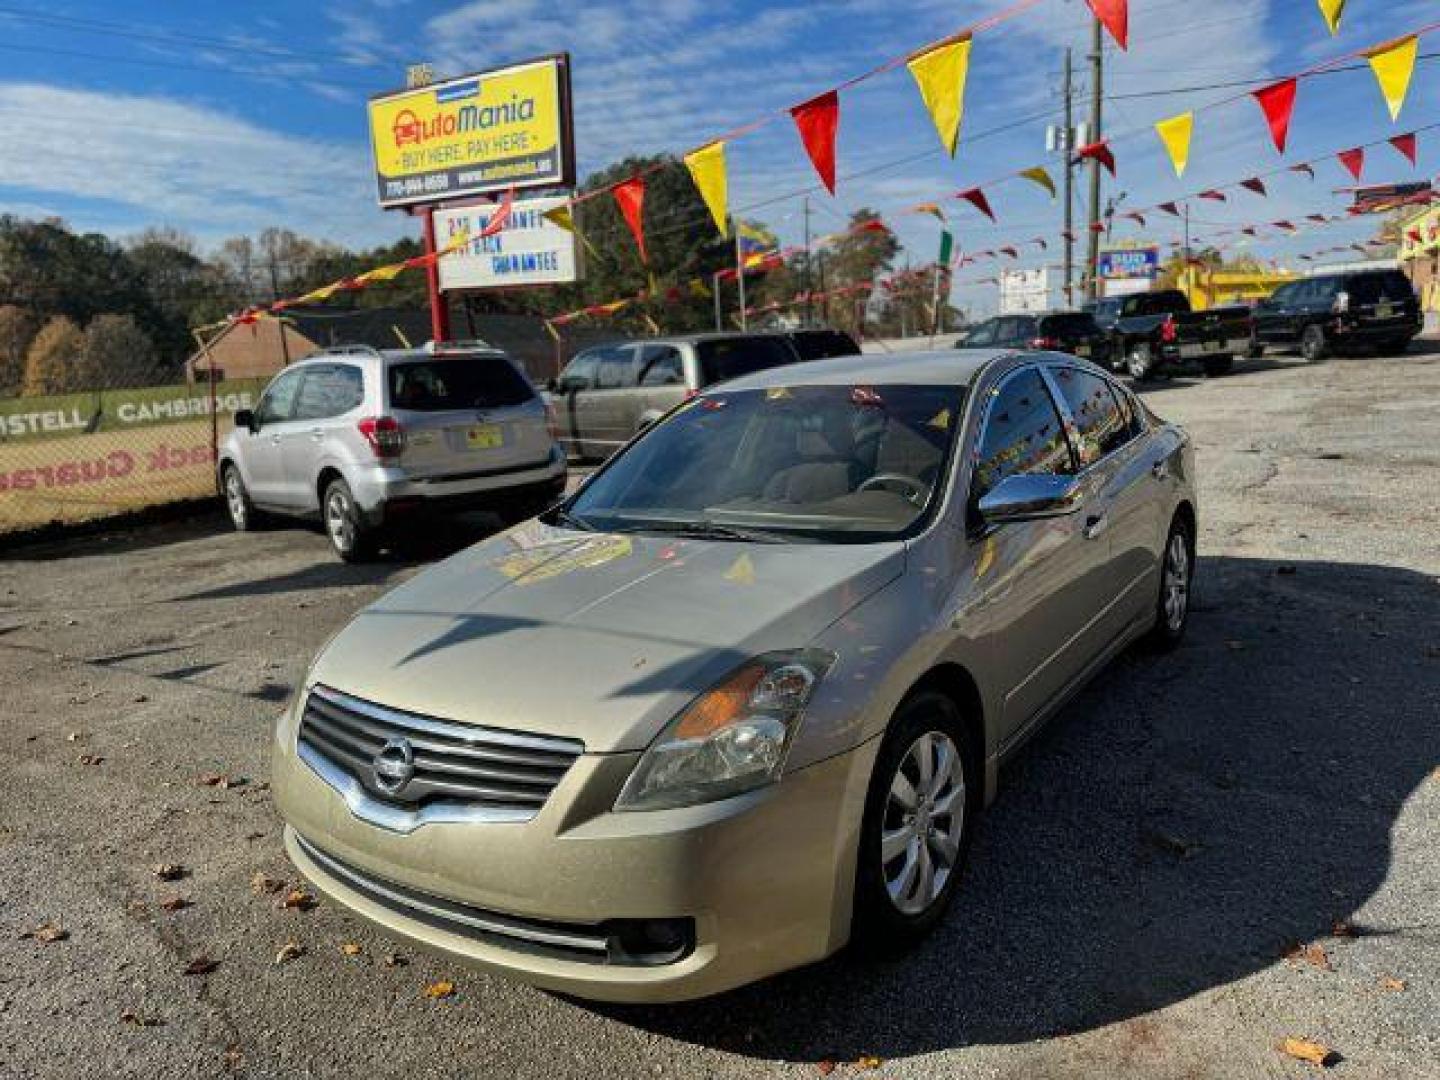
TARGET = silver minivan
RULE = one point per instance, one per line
(365, 438)
(608, 394)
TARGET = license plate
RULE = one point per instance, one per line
(1082, 350)
(485, 437)
(1384, 311)
(1213, 346)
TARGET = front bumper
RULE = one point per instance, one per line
(762, 882)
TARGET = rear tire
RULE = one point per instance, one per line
(919, 822)
(1139, 362)
(352, 539)
(1313, 346)
(243, 515)
(1215, 366)
(1177, 578)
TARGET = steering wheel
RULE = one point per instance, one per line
(915, 492)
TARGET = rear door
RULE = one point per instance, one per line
(662, 381)
(610, 413)
(261, 456)
(465, 414)
(328, 404)
(1273, 316)
(578, 378)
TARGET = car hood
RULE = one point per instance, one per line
(596, 636)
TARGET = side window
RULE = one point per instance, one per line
(329, 390)
(616, 371)
(1023, 434)
(1099, 425)
(579, 374)
(1285, 295)
(984, 334)
(278, 404)
(661, 366)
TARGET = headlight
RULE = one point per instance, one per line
(730, 739)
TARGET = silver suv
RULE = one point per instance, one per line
(364, 438)
(609, 394)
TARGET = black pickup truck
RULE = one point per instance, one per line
(1152, 329)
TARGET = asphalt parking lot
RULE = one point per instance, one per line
(1134, 892)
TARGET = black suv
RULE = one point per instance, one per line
(1362, 309)
(1071, 332)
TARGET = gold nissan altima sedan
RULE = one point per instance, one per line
(740, 699)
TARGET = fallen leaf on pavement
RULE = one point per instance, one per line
(300, 900)
(201, 965)
(209, 779)
(1313, 1052)
(175, 903)
(90, 759)
(1344, 929)
(395, 960)
(289, 951)
(168, 871)
(1313, 954)
(826, 1067)
(48, 932)
(350, 948)
(868, 1061)
(130, 1016)
(233, 1057)
(1392, 984)
(442, 989)
(263, 883)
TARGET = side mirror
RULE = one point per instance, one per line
(1029, 497)
(245, 418)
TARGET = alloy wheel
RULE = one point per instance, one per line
(338, 521)
(1177, 582)
(235, 498)
(923, 823)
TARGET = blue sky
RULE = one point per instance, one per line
(225, 118)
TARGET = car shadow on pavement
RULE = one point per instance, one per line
(1183, 822)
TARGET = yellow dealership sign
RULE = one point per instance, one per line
(488, 131)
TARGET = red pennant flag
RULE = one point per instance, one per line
(501, 218)
(873, 225)
(1069, 234)
(1354, 161)
(1010, 251)
(630, 196)
(1098, 151)
(1114, 15)
(1305, 258)
(817, 120)
(1169, 208)
(985, 254)
(1277, 102)
(1287, 226)
(1254, 184)
(1250, 230)
(1135, 215)
(1097, 227)
(1217, 196)
(1318, 218)
(1413, 235)
(976, 198)
(1406, 145)
(1040, 241)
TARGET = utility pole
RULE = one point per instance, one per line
(1069, 236)
(740, 279)
(1097, 92)
(806, 283)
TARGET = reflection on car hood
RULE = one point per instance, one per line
(597, 636)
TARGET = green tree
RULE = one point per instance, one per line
(865, 253)
(186, 290)
(52, 359)
(17, 330)
(115, 352)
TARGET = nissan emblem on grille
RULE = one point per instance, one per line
(394, 766)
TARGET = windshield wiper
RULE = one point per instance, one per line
(707, 530)
(560, 516)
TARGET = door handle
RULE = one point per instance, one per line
(1160, 470)
(275, 440)
(1095, 525)
(317, 433)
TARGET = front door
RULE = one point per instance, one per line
(261, 456)
(329, 395)
(1036, 581)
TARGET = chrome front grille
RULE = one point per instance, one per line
(411, 768)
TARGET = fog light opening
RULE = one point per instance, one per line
(650, 941)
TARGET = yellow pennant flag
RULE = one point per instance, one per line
(1393, 65)
(1332, 10)
(550, 329)
(699, 288)
(1038, 175)
(1175, 134)
(319, 295)
(707, 169)
(381, 273)
(562, 217)
(940, 74)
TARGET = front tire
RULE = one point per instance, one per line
(1313, 346)
(919, 819)
(1177, 576)
(351, 538)
(243, 515)
(1140, 361)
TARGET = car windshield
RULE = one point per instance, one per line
(473, 381)
(838, 464)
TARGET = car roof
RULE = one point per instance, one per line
(938, 368)
(690, 339)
